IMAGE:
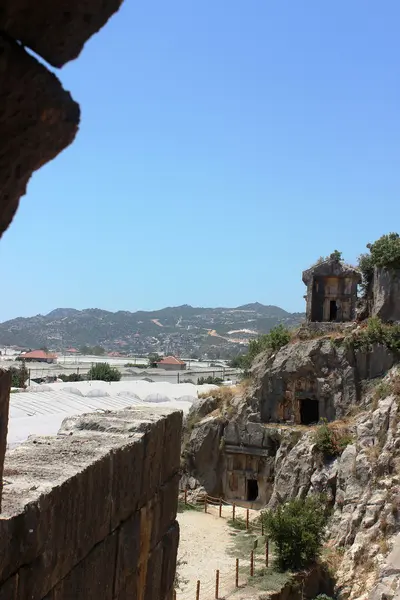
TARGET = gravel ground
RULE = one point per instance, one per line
(206, 545)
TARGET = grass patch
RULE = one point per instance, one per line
(374, 331)
(182, 507)
(239, 523)
(331, 438)
(223, 394)
(265, 578)
(386, 387)
(269, 579)
(243, 543)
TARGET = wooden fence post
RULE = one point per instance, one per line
(247, 519)
(266, 552)
(262, 528)
(220, 507)
(185, 497)
(198, 591)
(233, 511)
(237, 573)
(252, 564)
(205, 504)
(217, 584)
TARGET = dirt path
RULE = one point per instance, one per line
(204, 542)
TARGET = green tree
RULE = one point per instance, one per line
(297, 528)
(98, 351)
(336, 255)
(210, 380)
(238, 362)
(154, 358)
(19, 376)
(85, 349)
(71, 377)
(104, 372)
(274, 340)
(384, 252)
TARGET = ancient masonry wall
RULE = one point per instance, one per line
(5, 385)
(90, 514)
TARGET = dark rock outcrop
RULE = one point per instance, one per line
(56, 31)
(38, 118)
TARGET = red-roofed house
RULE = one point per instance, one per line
(38, 356)
(170, 363)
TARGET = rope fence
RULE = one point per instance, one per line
(208, 502)
(242, 569)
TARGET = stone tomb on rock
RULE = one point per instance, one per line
(331, 291)
(249, 455)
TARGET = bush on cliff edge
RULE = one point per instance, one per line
(297, 529)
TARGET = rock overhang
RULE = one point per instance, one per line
(56, 31)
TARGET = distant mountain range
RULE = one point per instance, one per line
(181, 330)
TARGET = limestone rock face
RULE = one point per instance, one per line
(326, 372)
(202, 407)
(363, 488)
(386, 294)
(203, 453)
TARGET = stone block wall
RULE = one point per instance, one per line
(90, 514)
(5, 385)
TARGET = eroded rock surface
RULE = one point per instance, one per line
(56, 31)
(386, 294)
(38, 119)
(323, 370)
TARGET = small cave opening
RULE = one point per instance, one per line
(252, 490)
(309, 411)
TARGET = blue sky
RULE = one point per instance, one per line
(223, 147)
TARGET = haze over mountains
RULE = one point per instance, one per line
(181, 330)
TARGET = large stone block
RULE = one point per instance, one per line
(138, 472)
(130, 589)
(128, 554)
(153, 458)
(56, 31)
(126, 482)
(38, 118)
(153, 576)
(169, 504)
(57, 506)
(172, 442)
(9, 589)
(170, 549)
(92, 578)
(66, 494)
(5, 385)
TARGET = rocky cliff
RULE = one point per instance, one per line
(386, 294)
(359, 390)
